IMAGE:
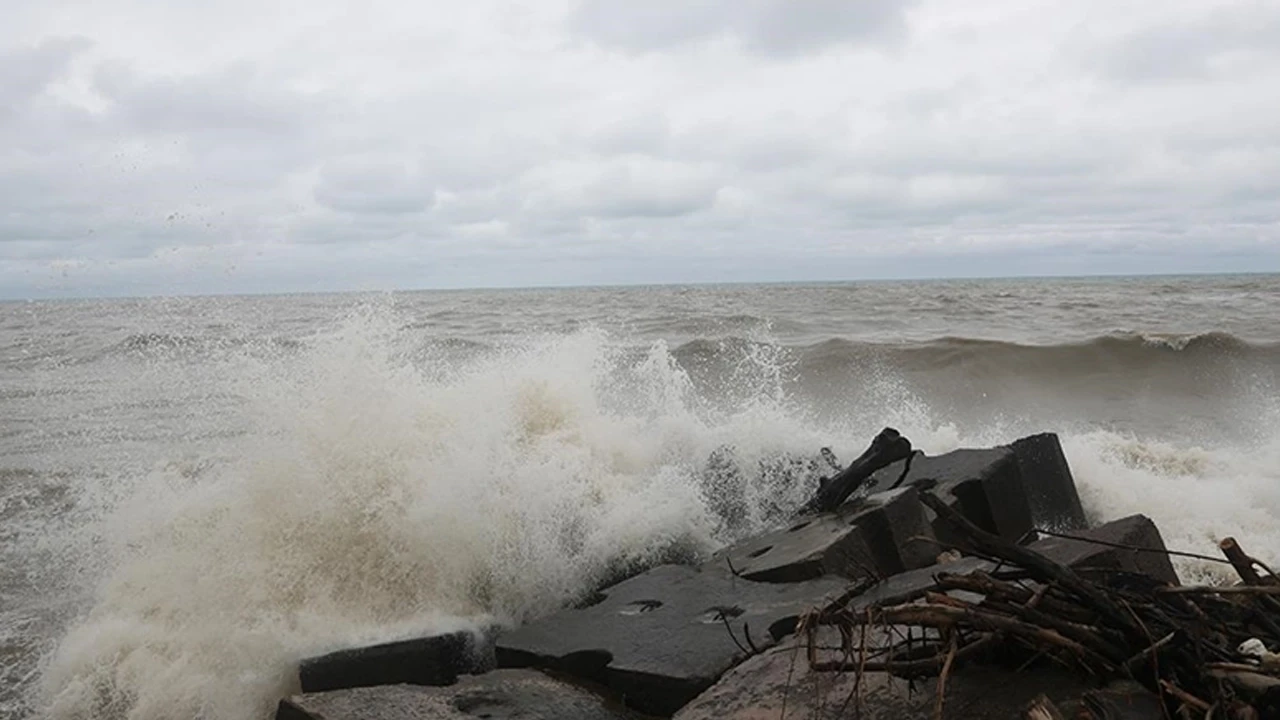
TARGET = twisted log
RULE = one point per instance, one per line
(887, 448)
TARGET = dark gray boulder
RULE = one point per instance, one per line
(1050, 487)
(1136, 531)
(983, 485)
(662, 637)
(435, 660)
(1147, 556)
(875, 536)
(780, 685)
(522, 694)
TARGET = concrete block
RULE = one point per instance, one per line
(500, 695)
(984, 485)
(660, 638)
(1046, 476)
(1134, 531)
(876, 536)
(436, 660)
(910, 585)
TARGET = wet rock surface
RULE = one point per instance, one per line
(985, 485)
(1048, 483)
(436, 660)
(662, 637)
(499, 695)
(1144, 553)
(780, 685)
(879, 535)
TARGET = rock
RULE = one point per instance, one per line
(436, 660)
(985, 485)
(1046, 477)
(778, 685)
(879, 535)
(660, 638)
(910, 585)
(522, 694)
(1134, 531)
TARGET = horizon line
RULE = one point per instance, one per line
(636, 285)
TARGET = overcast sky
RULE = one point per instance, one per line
(150, 146)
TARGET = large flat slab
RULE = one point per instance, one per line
(779, 685)
(499, 695)
(660, 638)
(879, 535)
(985, 485)
(434, 660)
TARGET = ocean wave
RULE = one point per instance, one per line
(380, 496)
(159, 343)
(1114, 358)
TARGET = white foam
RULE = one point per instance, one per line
(379, 499)
(1196, 496)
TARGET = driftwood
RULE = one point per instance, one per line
(1182, 644)
(1042, 708)
(887, 448)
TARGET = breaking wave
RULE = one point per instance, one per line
(385, 491)
(1119, 351)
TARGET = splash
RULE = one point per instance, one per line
(385, 494)
(1196, 496)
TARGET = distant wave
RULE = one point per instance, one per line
(1137, 346)
(169, 343)
(1112, 364)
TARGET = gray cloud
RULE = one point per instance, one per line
(784, 27)
(156, 149)
(1223, 41)
(379, 186)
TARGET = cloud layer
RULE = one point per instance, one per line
(156, 148)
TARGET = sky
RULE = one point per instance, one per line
(156, 147)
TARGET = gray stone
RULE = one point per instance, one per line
(436, 660)
(908, 586)
(778, 685)
(660, 638)
(984, 485)
(522, 694)
(1134, 531)
(882, 534)
(1046, 476)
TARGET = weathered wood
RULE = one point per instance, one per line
(1046, 570)
(1042, 708)
(887, 448)
(1240, 561)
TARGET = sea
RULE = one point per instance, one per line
(196, 492)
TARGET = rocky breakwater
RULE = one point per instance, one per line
(966, 585)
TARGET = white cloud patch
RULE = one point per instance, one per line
(148, 147)
(785, 27)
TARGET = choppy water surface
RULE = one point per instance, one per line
(196, 492)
